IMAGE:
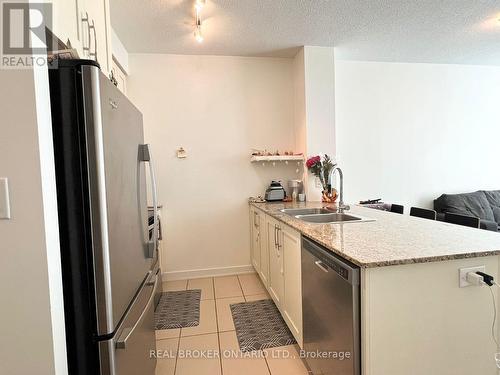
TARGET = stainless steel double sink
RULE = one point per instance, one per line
(323, 216)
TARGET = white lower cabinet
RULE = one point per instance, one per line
(255, 238)
(276, 286)
(276, 256)
(264, 249)
(292, 299)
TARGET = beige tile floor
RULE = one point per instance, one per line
(215, 337)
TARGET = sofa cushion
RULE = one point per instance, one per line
(496, 214)
(470, 204)
(493, 198)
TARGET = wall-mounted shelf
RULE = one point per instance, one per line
(275, 158)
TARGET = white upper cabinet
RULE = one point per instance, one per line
(96, 26)
(66, 23)
(86, 25)
(120, 76)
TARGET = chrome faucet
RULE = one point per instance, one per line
(341, 206)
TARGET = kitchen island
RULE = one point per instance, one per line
(414, 319)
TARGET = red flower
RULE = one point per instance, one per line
(313, 161)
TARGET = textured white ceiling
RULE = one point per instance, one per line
(437, 31)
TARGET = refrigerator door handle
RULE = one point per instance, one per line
(145, 156)
(121, 343)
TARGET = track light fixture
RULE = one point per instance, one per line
(198, 35)
(199, 4)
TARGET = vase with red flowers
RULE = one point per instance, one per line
(321, 168)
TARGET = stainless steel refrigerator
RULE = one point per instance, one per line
(109, 258)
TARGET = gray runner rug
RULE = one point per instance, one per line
(259, 325)
(178, 309)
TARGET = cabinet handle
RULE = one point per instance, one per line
(280, 245)
(86, 49)
(275, 236)
(255, 219)
(278, 241)
(93, 54)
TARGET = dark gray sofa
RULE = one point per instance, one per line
(482, 204)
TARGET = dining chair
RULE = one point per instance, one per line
(423, 213)
(468, 221)
(397, 208)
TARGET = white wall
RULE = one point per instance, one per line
(409, 132)
(31, 318)
(319, 91)
(314, 108)
(416, 320)
(217, 108)
(319, 67)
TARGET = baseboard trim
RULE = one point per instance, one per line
(206, 272)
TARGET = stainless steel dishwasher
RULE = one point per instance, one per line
(331, 312)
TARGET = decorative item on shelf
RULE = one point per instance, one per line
(264, 156)
(321, 169)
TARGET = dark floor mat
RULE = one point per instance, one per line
(259, 325)
(178, 309)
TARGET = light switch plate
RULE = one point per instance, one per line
(4, 198)
(462, 275)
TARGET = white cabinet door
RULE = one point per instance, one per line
(99, 29)
(120, 76)
(292, 302)
(66, 23)
(255, 238)
(276, 272)
(280, 265)
(264, 250)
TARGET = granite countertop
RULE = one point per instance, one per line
(391, 239)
